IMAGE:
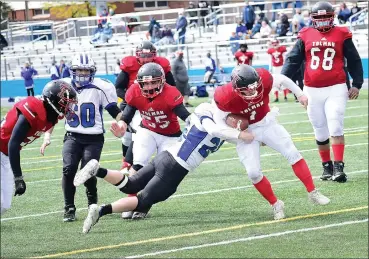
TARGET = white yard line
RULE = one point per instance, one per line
(174, 196)
(246, 239)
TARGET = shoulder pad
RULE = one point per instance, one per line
(302, 32)
(131, 94)
(164, 63)
(128, 63)
(221, 97)
(345, 31)
(106, 80)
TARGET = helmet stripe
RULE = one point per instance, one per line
(86, 57)
(81, 58)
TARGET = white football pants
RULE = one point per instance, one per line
(7, 183)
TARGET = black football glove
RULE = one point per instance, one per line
(20, 186)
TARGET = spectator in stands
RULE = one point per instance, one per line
(192, 14)
(155, 34)
(256, 28)
(241, 28)
(27, 73)
(355, 9)
(180, 75)
(296, 27)
(3, 42)
(97, 34)
(283, 26)
(210, 67)
(181, 25)
(265, 31)
(234, 45)
(204, 11)
(248, 16)
(261, 8)
(117, 69)
(63, 70)
(130, 27)
(299, 17)
(107, 33)
(166, 38)
(104, 13)
(153, 23)
(54, 72)
(344, 13)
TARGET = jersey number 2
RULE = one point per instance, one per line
(87, 119)
(327, 62)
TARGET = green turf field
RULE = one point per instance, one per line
(216, 212)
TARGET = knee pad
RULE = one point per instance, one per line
(255, 176)
(127, 138)
(322, 143)
(321, 133)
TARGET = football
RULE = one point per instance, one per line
(237, 121)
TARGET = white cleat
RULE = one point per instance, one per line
(317, 198)
(86, 172)
(92, 218)
(278, 210)
(127, 215)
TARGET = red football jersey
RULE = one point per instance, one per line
(277, 55)
(243, 57)
(34, 111)
(324, 56)
(229, 101)
(157, 114)
(131, 66)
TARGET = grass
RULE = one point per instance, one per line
(194, 219)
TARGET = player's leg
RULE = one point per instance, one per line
(276, 137)
(7, 184)
(335, 107)
(126, 141)
(249, 155)
(92, 150)
(72, 154)
(318, 120)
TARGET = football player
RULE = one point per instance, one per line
(24, 123)
(159, 105)
(276, 53)
(324, 48)
(158, 180)
(243, 56)
(84, 137)
(248, 94)
(145, 53)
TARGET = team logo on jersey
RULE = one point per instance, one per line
(253, 107)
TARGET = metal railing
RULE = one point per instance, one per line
(356, 15)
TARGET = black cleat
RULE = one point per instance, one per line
(276, 100)
(69, 214)
(338, 174)
(285, 99)
(327, 171)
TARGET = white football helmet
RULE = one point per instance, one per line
(82, 69)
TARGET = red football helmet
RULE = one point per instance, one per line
(247, 83)
(322, 16)
(274, 43)
(151, 79)
(145, 52)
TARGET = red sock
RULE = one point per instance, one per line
(285, 92)
(276, 94)
(302, 171)
(325, 155)
(132, 195)
(266, 190)
(338, 151)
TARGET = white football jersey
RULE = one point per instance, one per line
(92, 99)
(196, 143)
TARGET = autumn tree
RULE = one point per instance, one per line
(5, 9)
(70, 10)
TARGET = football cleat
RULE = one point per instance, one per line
(338, 174)
(127, 215)
(139, 215)
(278, 210)
(327, 171)
(317, 198)
(69, 214)
(86, 172)
(92, 218)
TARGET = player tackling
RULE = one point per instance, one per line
(324, 47)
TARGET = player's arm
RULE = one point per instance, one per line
(169, 78)
(114, 111)
(19, 133)
(279, 80)
(121, 84)
(354, 64)
(47, 140)
(181, 112)
(294, 59)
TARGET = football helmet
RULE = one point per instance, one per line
(151, 78)
(145, 52)
(247, 83)
(61, 97)
(274, 43)
(82, 69)
(322, 16)
(243, 47)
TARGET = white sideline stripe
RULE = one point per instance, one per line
(117, 139)
(245, 239)
(174, 196)
(227, 159)
(349, 130)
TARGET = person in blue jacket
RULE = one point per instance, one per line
(181, 25)
(27, 73)
(63, 70)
